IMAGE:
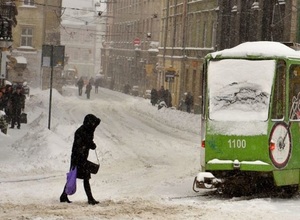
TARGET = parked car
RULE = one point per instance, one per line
(135, 90)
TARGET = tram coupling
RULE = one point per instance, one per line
(206, 180)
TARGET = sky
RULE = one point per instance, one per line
(149, 159)
(77, 3)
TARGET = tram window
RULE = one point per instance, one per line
(278, 107)
(294, 93)
(204, 87)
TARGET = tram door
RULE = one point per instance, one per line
(279, 108)
(294, 94)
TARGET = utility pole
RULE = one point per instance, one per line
(52, 56)
(51, 85)
(174, 32)
(182, 75)
(165, 36)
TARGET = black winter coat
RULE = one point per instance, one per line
(83, 142)
(18, 100)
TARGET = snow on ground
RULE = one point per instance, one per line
(149, 159)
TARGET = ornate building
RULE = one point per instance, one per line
(81, 33)
(188, 34)
(187, 30)
(38, 24)
(8, 13)
(257, 20)
(131, 43)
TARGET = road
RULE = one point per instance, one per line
(149, 159)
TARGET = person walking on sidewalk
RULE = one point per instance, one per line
(17, 106)
(88, 90)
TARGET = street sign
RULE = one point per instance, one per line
(170, 74)
(53, 55)
(136, 41)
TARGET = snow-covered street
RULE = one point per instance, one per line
(149, 159)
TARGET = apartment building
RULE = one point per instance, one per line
(81, 33)
(38, 24)
(131, 43)
(255, 20)
(145, 38)
(188, 33)
(188, 30)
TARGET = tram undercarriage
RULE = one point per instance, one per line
(237, 183)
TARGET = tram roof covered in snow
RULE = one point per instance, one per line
(257, 49)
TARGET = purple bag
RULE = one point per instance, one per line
(71, 181)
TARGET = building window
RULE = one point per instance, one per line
(28, 2)
(26, 37)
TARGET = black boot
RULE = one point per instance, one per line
(93, 201)
(64, 197)
(88, 192)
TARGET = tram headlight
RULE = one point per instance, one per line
(272, 145)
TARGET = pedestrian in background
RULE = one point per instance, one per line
(88, 89)
(2, 101)
(126, 88)
(189, 101)
(7, 99)
(17, 106)
(161, 93)
(168, 98)
(154, 96)
(80, 85)
(97, 84)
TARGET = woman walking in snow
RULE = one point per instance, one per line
(83, 142)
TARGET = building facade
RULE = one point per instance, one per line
(188, 33)
(8, 21)
(38, 24)
(145, 38)
(191, 29)
(81, 33)
(257, 20)
(131, 43)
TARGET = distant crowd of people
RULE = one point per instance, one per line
(12, 104)
(88, 87)
(163, 98)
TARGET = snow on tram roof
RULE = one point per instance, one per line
(258, 49)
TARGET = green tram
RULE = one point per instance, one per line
(251, 119)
